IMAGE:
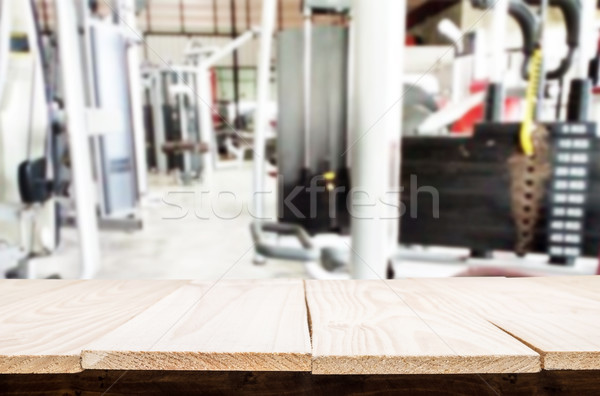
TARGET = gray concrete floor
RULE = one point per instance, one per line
(205, 236)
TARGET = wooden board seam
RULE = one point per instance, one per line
(308, 319)
(539, 351)
(418, 364)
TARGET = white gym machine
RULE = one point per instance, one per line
(171, 93)
(374, 132)
(203, 59)
(186, 90)
(28, 225)
(102, 102)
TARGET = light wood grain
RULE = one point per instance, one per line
(419, 326)
(388, 327)
(580, 286)
(227, 325)
(559, 317)
(13, 290)
(561, 321)
(45, 325)
(506, 296)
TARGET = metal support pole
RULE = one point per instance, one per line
(306, 86)
(236, 67)
(350, 89)
(135, 87)
(227, 49)
(378, 56)
(580, 92)
(269, 13)
(207, 134)
(158, 120)
(180, 98)
(5, 28)
(543, 12)
(494, 107)
(74, 99)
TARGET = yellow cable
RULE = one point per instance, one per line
(525, 136)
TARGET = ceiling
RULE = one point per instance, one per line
(214, 17)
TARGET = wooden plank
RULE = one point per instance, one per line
(384, 327)
(229, 325)
(424, 326)
(565, 342)
(562, 321)
(505, 296)
(581, 286)
(13, 290)
(559, 317)
(44, 329)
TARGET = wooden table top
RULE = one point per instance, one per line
(374, 327)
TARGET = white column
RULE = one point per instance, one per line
(375, 144)
(79, 144)
(269, 12)
(5, 28)
(135, 87)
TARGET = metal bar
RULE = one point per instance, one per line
(158, 120)
(205, 109)
(494, 107)
(306, 83)
(543, 12)
(135, 94)
(148, 27)
(236, 73)
(227, 49)
(269, 13)
(350, 82)
(188, 33)
(183, 126)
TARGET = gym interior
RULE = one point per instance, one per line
(318, 142)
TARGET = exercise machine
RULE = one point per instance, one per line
(318, 137)
(28, 212)
(496, 193)
(479, 192)
(172, 110)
